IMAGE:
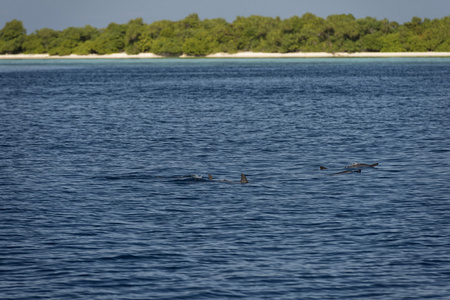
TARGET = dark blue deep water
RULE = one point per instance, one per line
(104, 191)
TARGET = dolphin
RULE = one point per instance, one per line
(243, 179)
(356, 165)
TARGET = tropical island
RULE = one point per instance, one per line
(194, 37)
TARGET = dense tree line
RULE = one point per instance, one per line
(192, 36)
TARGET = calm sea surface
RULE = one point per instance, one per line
(104, 191)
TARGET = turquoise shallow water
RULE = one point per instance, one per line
(104, 191)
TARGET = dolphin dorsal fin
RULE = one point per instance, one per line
(376, 164)
(322, 168)
(243, 179)
(210, 177)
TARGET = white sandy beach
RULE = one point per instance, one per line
(235, 55)
(74, 56)
(325, 54)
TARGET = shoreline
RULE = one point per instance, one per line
(236, 55)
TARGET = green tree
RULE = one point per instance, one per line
(371, 42)
(47, 37)
(199, 45)
(111, 39)
(32, 45)
(164, 37)
(191, 21)
(291, 36)
(222, 35)
(71, 40)
(251, 31)
(150, 33)
(166, 47)
(314, 33)
(368, 25)
(392, 43)
(342, 31)
(435, 33)
(441, 33)
(132, 36)
(369, 34)
(12, 36)
(414, 25)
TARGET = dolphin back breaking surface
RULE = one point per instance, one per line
(358, 165)
(243, 179)
(352, 166)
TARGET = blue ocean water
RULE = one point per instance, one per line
(104, 191)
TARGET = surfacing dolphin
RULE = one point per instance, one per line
(357, 165)
(354, 165)
(243, 179)
(342, 172)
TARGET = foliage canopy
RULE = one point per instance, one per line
(195, 37)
